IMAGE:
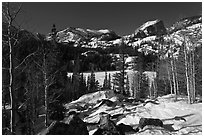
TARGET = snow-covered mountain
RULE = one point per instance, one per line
(86, 37)
(107, 38)
(146, 38)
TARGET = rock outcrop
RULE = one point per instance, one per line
(106, 126)
(71, 125)
(151, 28)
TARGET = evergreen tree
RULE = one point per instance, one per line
(76, 78)
(109, 81)
(127, 86)
(116, 83)
(105, 82)
(139, 67)
(91, 82)
(135, 85)
(82, 85)
(120, 79)
(144, 86)
(122, 67)
(53, 33)
(97, 86)
(88, 83)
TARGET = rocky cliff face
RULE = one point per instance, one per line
(151, 28)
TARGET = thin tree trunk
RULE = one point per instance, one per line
(157, 77)
(169, 77)
(190, 77)
(187, 74)
(11, 88)
(165, 85)
(193, 73)
(123, 74)
(46, 105)
(150, 88)
(45, 89)
(174, 78)
(10, 17)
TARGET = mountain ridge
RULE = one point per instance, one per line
(105, 38)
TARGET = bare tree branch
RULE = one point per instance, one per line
(25, 59)
(16, 13)
(5, 15)
(39, 66)
(55, 72)
(54, 99)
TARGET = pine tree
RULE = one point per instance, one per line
(53, 32)
(76, 77)
(119, 79)
(109, 81)
(97, 86)
(127, 87)
(135, 86)
(88, 82)
(116, 83)
(82, 85)
(91, 83)
(105, 82)
(144, 86)
(139, 67)
(122, 67)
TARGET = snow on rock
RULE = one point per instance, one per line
(92, 131)
(104, 31)
(95, 97)
(149, 23)
(117, 41)
(130, 114)
(144, 40)
(151, 130)
(114, 99)
(130, 120)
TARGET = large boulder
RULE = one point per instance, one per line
(106, 126)
(149, 122)
(123, 128)
(72, 125)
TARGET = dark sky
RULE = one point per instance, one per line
(121, 17)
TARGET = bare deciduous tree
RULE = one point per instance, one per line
(10, 13)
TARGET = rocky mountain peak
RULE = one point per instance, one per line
(150, 28)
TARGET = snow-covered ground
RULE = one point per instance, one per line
(98, 75)
(101, 75)
(131, 113)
